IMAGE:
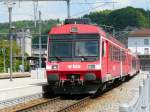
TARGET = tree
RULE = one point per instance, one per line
(121, 18)
(16, 51)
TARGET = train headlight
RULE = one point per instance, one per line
(89, 76)
(91, 67)
(54, 67)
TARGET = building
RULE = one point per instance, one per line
(24, 39)
(139, 43)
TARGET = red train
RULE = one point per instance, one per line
(83, 59)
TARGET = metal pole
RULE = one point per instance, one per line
(11, 37)
(4, 54)
(23, 49)
(68, 8)
(40, 39)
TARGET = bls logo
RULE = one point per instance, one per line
(74, 66)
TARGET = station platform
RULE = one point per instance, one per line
(20, 87)
(15, 75)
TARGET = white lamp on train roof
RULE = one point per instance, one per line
(74, 29)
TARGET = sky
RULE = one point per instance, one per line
(58, 9)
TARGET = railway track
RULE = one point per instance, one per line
(49, 105)
(28, 105)
(76, 105)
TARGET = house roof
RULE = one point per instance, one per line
(142, 32)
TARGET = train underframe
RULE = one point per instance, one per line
(78, 87)
(72, 89)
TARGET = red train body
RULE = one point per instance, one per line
(82, 59)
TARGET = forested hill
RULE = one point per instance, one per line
(121, 18)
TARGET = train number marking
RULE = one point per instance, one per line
(74, 66)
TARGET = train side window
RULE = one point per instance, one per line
(123, 56)
(103, 48)
(115, 53)
(110, 52)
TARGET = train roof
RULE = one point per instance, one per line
(82, 29)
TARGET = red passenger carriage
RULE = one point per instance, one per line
(82, 59)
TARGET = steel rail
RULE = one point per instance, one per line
(78, 104)
(29, 108)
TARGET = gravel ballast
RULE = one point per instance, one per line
(110, 101)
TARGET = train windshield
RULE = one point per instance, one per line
(61, 49)
(74, 47)
(86, 48)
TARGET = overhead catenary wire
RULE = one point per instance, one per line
(84, 3)
(87, 4)
(35, 6)
(92, 8)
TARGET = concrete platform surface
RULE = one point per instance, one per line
(15, 75)
(20, 87)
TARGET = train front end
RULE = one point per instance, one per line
(73, 64)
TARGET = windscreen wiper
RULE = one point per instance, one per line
(57, 58)
(84, 58)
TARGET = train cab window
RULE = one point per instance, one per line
(61, 49)
(74, 47)
(86, 48)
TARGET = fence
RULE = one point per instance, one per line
(141, 101)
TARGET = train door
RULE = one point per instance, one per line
(104, 58)
(123, 63)
(114, 62)
(130, 65)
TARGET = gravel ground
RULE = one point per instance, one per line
(110, 101)
(56, 106)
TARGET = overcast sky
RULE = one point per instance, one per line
(53, 10)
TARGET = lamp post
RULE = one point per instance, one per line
(40, 48)
(23, 48)
(10, 5)
(11, 37)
